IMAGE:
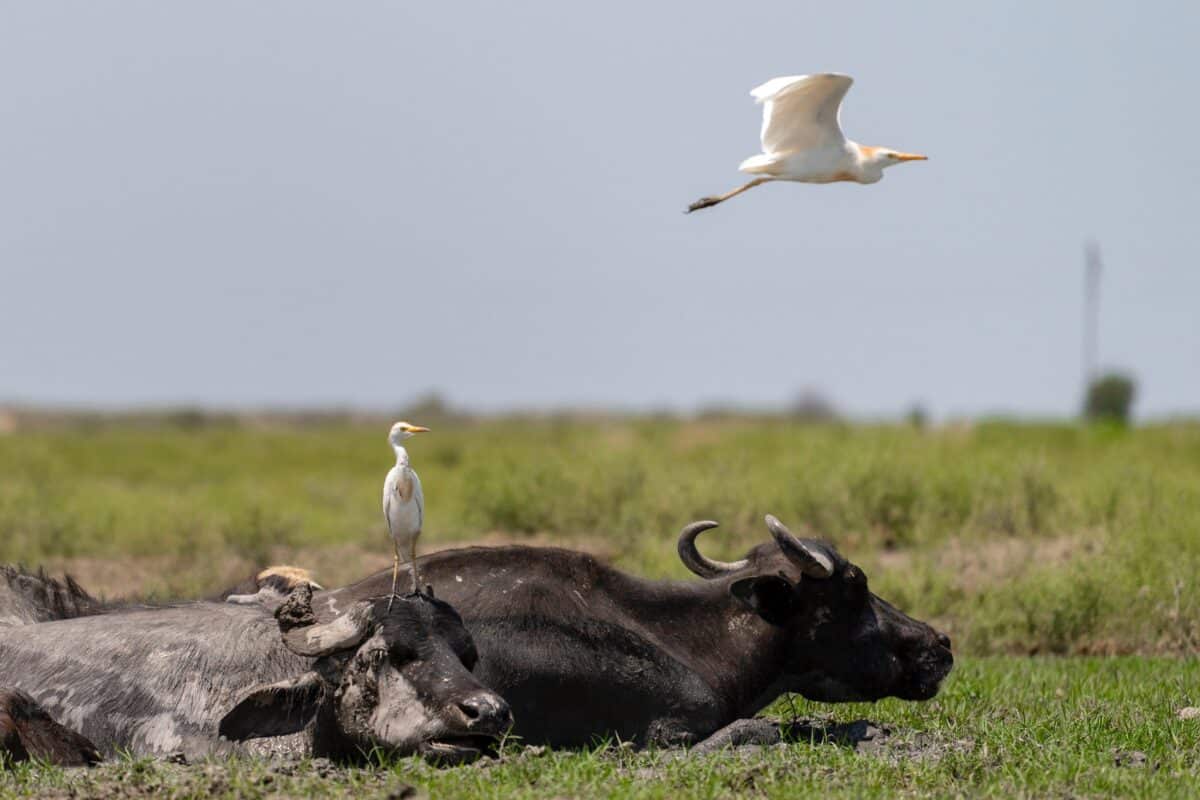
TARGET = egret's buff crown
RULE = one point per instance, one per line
(404, 430)
(802, 138)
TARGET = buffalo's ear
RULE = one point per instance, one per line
(769, 596)
(274, 709)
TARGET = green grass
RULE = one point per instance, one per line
(1015, 538)
(1003, 727)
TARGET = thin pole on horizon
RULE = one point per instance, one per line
(1091, 311)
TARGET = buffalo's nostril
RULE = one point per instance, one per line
(485, 712)
(944, 640)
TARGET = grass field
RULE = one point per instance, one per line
(1016, 539)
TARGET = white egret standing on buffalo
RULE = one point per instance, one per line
(403, 504)
(802, 138)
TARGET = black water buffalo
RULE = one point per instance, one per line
(197, 677)
(583, 651)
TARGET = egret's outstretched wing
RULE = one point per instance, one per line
(801, 112)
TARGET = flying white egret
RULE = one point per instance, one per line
(802, 138)
(403, 504)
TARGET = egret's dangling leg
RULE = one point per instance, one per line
(395, 572)
(707, 202)
(412, 565)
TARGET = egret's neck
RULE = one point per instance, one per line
(401, 455)
(868, 167)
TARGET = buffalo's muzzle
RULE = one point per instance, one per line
(483, 713)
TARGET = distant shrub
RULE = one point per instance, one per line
(428, 408)
(812, 406)
(188, 419)
(1110, 399)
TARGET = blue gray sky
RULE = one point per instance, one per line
(298, 203)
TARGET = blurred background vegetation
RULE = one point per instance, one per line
(1110, 398)
(1017, 538)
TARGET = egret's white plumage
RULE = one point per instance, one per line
(403, 503)
(802, 138)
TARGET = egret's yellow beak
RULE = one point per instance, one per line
(911, 157)
(417, 429)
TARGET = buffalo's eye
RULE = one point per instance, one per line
(373, 657)
(402, 653)
(854, 576)
(470, 658)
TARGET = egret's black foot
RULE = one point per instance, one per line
(703, 202)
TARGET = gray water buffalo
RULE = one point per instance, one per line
(28, 732)
(582, 651)
(29, 597)
(214, 677)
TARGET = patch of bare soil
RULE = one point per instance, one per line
(745, 739)
(137, 576)
(865, 736)
(979, 563)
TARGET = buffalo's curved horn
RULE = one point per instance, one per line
(702, 565)
(813, 562)
(344, 632)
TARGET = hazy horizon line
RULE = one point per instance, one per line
(831, 413)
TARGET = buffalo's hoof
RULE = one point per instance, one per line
(740, 733)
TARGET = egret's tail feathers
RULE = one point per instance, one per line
(761, 164)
